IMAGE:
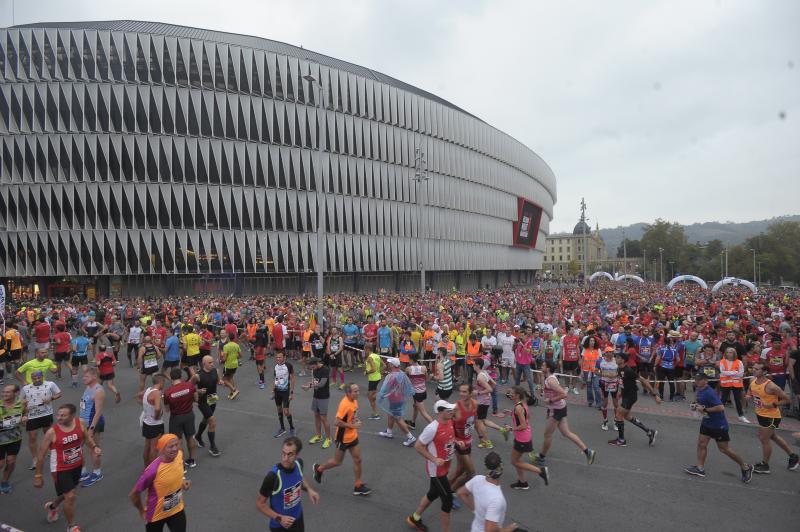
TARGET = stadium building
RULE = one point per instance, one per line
(145, 158)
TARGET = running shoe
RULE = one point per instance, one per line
(386, 434)
(93, 479)
(411, 424)
(743, 419)
(117, 397)
(280, 432)
(326, 443)
(575, 391)
(590, 454)
(518, 485)
(747, 474)
(199, 441)
(651, 437)
(604, 426)
(374, 417)
(362, 490)
(261, 385)
(696, 471)
(416, 524)
(85, 476)
(409, 441)
(235, 394)
(537, 459)
(5, 487)
(762, 468)
(52, 513)
(316, 438)
(794, 462)
(74, 528)
(190, 463)
(33, 465)
(486, 444)
(545, 474)
(292, 432)
(618, 442)
(504, 432)
(456, 503)
(214, 452)
(317, 473)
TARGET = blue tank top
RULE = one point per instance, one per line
(667, 357)
(287, 496)
(384, 337)
(88, 408)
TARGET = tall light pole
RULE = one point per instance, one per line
(661, 263)
(727, 252)
(755, 279)
(624, 253)
(721, 267)
(420, 175)
(671, 269)
(644, 264)
(317, 84)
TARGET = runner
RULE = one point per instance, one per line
(590, 355)
(630, 392)
(133, 341)
(666, 363)
(179, 400)
(484, 497)
(767, 398)
(464, 417)
(64, 443)
(172, 352)
(714, 425)
(38, 399)
(444, 374)
(165, 484)
(230, 356)
(522, 440)
(484, 385)
(206, 381)
(39, 363)
(280, 496)
(392, 397)
(437, 444)
(147, 360)
(554, 400)
(569, 360)
(13, 417)
(373, 369)
(152, 418)
(61, 347)
(320, 383)
(283, 393)
(92, 422)
(608, 379)
(418, 374)
(260, 343)
(105, 360)
(334, 351)
(347, 426)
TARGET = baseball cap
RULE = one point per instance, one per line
(394, 362)
(441, 404)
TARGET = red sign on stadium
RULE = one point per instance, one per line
(526, 228)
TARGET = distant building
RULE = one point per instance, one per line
(561, 249)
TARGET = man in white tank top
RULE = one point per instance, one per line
(152, 418)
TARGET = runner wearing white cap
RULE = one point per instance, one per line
(392, 398)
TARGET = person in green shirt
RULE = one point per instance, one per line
(39, 363)
(372, 370)
(12, 417)
(231, 354)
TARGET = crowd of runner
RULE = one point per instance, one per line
(488, 356)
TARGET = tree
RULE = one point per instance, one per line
(573, 268)
(667, 236)
(634, 248)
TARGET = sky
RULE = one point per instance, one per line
(683, 110)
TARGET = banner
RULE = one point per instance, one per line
(526, 228)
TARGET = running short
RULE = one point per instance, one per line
(557, 413)
(768, 422)
(78, 360)
(206, 409)
(466, 450)
(192, 361)
(204, 352)
(333, 361)
(260, 353)
(507, 362)
(15, 354)
(152, 431)
(718, 435)
(319, 406)
(523, 446)
(606, 392)
(35, 346)
(440, 489)
(570, 366)
(483, 411)
(420, 397)
(66, 481)
(396, 409)
(10, 449)
(373, 385)
(342, 446)
(229, 372)
(174, 523)
(170, 364)
(36, 423)
(282, 398)
(628, 400)
(149, 371)
(108, 377)
(182, 424)
(646, 367)
(61, 357)
(444, 394)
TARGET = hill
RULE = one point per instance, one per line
(729, 233)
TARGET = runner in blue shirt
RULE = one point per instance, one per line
(80, 355)
(172, 351)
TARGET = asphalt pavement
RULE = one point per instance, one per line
(631, 488)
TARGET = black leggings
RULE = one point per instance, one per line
(663, 374)
(440, 488)
(737, 397)
(175, 523)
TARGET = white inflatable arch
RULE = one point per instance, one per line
(692, 278)
(630, 276)
(595, 275)
(736, 282)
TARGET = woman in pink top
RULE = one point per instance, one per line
(522, 440)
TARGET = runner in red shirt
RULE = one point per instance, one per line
(466, 413)
(61, 341)
(570, 353)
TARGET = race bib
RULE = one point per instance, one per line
(384, 350)
(468, 424)
(280, 382)
(318, 345)
(37, 411)
(450, 450)
(150, 363)
(211, 399)
(292, 496)
(72, 455)
(776, 361)
(710, 371)
(10, 422)
(757, 402)
(611, 386)
(172, 500)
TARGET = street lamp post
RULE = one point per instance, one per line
(661, 263)
(420, 175)
(755, 278)
(317, 84)
(672, 269)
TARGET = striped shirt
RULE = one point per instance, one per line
(446, 383)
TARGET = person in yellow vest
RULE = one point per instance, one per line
(731, 380)
(767, 400)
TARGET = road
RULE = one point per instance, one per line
(632, 488)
